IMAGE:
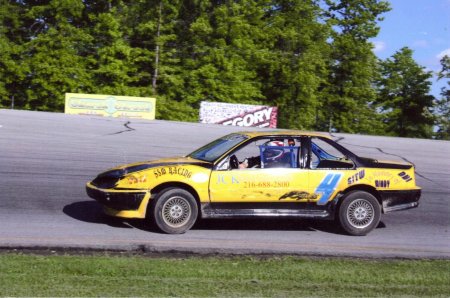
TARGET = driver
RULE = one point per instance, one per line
(272, 156)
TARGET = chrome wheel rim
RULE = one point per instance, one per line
(360, 214)
(176, 211)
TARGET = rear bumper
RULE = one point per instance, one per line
(396, 200)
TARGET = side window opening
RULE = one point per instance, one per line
(267, 153)
(326, 156)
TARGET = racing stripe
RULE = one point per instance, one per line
(327, 187)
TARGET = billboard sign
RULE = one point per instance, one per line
(110, 105)
(238, 114)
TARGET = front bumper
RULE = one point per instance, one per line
(396, 200)
(122, 203)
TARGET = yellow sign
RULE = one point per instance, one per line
(110, 105)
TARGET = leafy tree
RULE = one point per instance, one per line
(404, 97)
(53, 53)
(443, 106)
(215, 48)
(350, 96)
(157, 29)
(312, 59)
(12, 72)
(293, 66)
(113, 61)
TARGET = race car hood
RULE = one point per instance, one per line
(140, 166)
(374, 163)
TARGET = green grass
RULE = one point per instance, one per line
(103, 275)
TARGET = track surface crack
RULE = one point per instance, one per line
(127, 126)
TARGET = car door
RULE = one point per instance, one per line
(259, 186)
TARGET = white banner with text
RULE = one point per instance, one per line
(238, 114)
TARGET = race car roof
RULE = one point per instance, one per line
(293, 133)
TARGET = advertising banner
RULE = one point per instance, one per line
(238, 114)
(110, 105)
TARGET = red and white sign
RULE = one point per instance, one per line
(238, 114)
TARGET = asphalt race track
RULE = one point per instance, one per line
(46, 159)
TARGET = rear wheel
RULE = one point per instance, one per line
(174, 211)
(359, 213)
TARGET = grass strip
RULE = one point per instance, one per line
(113, 276)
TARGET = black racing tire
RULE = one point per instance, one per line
(174, 211)
(359, 213)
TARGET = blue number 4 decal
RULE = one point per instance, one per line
(327, 187)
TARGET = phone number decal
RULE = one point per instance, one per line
(266, 184)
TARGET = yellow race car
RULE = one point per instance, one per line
(259, 174)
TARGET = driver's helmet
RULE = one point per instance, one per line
(273, 154)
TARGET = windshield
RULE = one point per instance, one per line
(217, 148)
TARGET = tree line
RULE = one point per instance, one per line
(313, 59)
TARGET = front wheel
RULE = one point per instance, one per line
(359, 213)
(174, 211)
